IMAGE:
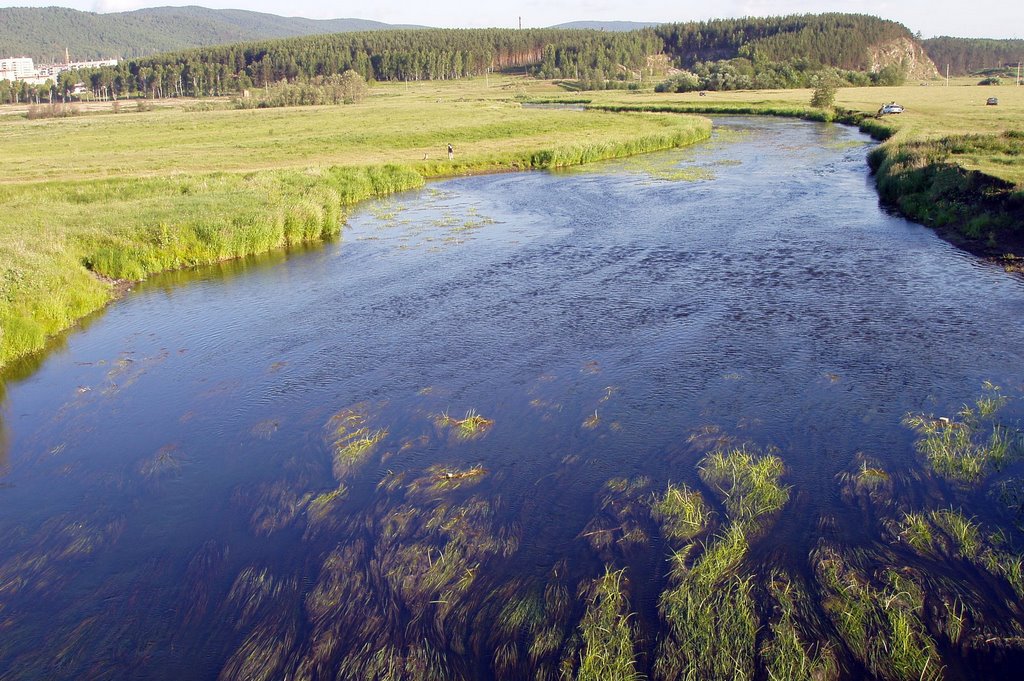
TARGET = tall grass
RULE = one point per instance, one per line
(881, 624)
(608, 635)
(711, 616)
(99, 199)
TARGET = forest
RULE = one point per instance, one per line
(724, 54)
(972, 55)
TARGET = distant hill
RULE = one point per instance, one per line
(857, 42)
(44, 32)
(607, 25)
(970, 55)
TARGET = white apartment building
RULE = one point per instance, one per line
(22, 68)
(17, 68)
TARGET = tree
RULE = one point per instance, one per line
(824, 96)
(353, 87)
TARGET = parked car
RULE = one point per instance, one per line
(992, 101)
(890, 108)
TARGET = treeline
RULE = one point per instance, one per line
(774, 52)
(741, 73)
(972, 55)
(402, 55)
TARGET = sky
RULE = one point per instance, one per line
(977, 19)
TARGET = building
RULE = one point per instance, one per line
(22, 68)
(17, 68)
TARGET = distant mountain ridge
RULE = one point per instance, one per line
(43, 33)
(608, 25)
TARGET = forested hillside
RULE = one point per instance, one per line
(970, 55)
(44, 32)
(844, 41)
(777, 52)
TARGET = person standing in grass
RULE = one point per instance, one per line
(451, 152)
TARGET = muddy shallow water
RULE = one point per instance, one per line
(268, 468)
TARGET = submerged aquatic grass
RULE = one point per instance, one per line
(748, 481)
(787, 656)
(710, 613)
(352, 440)
(881, 624)
(970, 446)
(681, 513)
(608, 636)
(471, 426)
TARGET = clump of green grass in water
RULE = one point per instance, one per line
(472, 426)
(965, 534)
(532, 627)
(881, 625)
(916, 531)
(953, 622)
(681, 513)
(968, 447)
(785, 656)
(440, 478)
(749, 482)
(608, 636)
(709, 609)
(351, 439)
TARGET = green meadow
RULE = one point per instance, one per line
(934, 112)
(117, 193)
(121, 191)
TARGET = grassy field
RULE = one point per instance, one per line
(99, 197)
(933, 111)
(949, 161)
(104, 196)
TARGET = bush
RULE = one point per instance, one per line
(991, 80)
(681, 82)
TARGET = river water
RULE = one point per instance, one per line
(172, 506)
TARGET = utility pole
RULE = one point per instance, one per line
(947, 75)
(1018, 73)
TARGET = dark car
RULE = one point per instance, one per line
(992, 101)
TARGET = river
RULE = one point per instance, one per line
(257, 469)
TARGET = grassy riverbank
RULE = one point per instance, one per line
(949, 161)
(91, 200)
